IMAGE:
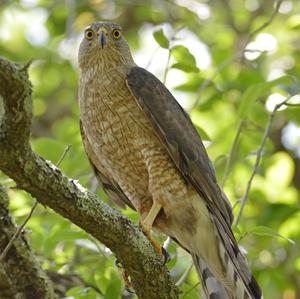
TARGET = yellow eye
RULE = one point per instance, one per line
(89, 34)
(116, 33)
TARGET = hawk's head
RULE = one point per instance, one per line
(103, 43)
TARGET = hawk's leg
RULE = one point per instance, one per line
(147, 223)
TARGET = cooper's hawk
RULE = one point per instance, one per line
(147, 154)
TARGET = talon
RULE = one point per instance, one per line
(129, 290)
(155, 244)
(118, 264)
(166, 255)
(127, 282)
(125, 277)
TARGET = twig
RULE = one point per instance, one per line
(66, 150)
(267, 23)
(185, 274)
(258, 157)
(192, 288)
(292, 105)
(151, 58)
(16, 234)
(217, 71)
(167, 66)
(232, 152)
(21, 227)
(238, 55)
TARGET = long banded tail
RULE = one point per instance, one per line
(235, 286)
(212, 288)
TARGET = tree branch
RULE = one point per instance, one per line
(44, 181)
(24, 273)
(236, 56)
(258, 157)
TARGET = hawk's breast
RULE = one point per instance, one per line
(120, 135)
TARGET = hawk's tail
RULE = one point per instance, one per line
(214, 289)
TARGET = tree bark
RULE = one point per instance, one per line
(52, 188)
(23, 272)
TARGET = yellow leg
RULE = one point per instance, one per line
(147, 224)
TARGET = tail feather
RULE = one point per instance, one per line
(212, 287)
(234, 286)
(236, 269)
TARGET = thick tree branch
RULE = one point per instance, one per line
(52, 188)
(25, 276)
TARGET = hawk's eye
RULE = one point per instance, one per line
(89, 34)
(116, 33)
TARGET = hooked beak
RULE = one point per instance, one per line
(102, 39)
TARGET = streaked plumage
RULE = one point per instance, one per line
(145, 150)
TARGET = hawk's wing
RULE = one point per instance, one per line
(180, 138)
(112, 189)
(185, 147)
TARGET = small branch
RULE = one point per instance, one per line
(258, 158)
(235, 57)
(17, 233)
(189, 290)
(21, 227)
(151, 58)
(207, 82)
(292, 105)
(21, 268)
(167, 67)
(185, 274)
(62, 157)
(232, 152)
(267, 23)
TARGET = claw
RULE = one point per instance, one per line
(166, 255)
(118, 264)
(127, 282)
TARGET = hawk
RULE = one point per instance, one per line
(147, 154)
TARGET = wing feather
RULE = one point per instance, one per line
(187, 151)
(180, 138)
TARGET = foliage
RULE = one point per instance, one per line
(219, 83)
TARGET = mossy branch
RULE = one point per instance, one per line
(52, 188)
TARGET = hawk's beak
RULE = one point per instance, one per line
(102, 38)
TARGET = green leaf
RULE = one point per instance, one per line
(202, 133)
(161, 39)
(49, 148)
(81, 293)
(63, 235)
(267, 231)
(184, 67)
(259, 90)
(185, 60)
(113, 290)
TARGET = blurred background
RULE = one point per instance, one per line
(225, 74)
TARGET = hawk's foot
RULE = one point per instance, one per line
(157, 247)
(155, 244)
(166, 255)
(118, 264)
(127, 282)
